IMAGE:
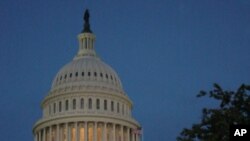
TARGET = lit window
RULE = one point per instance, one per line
(73, 134)
(82, 132)
(90, 103)
(90, 132)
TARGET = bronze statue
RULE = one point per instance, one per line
(86, 28)
(86, 16)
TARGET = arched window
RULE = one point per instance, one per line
(105, 105)
(122, 109)
(118, 107)
(49, 109)
(82, 103)
(60, 106)
(112, 106)
(98, 104)
(90, 103)
(66, 105)
(74, 104)
(54, 108)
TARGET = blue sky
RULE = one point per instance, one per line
(165, 52)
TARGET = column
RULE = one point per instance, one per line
(44, 134)
(104, 132)
(133, 135)
(136, 137)
(50, 133)
(57, 132)
(114, 132)
(77, 131)
(128, 134)
(40, 136)
(85, 130)
(67, 131)
(36, 136)
(122, 133)
(95, 131)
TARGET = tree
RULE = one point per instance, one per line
(234, 109)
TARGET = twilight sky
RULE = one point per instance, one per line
(165, 52)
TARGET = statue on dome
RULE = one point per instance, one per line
(86, 28)
(86, 16)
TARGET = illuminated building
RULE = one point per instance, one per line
(86, 101)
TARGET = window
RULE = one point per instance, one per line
(65, 76)
(101, 74)
(60, 106)
(82, 73)
(74, 104)
(82, 103)
(54, 107)
(111, 77)
(97, 103)
(66, 105)
(105, 105)
(70, 75)
(112, 106)
(76, 74)
(90, 103)
(107, 76)
(123, 109)
(89, 73)
(95, 74)
(61, 78)
(118, 107)
(49, 109)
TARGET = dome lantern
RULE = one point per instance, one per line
(86, 39)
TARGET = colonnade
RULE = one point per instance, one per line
(87, 131)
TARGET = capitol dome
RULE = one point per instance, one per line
(86, 101)
(87, 72)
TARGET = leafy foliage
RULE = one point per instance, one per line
(234, 109)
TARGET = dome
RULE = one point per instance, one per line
(86, 101)
(87, 72)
